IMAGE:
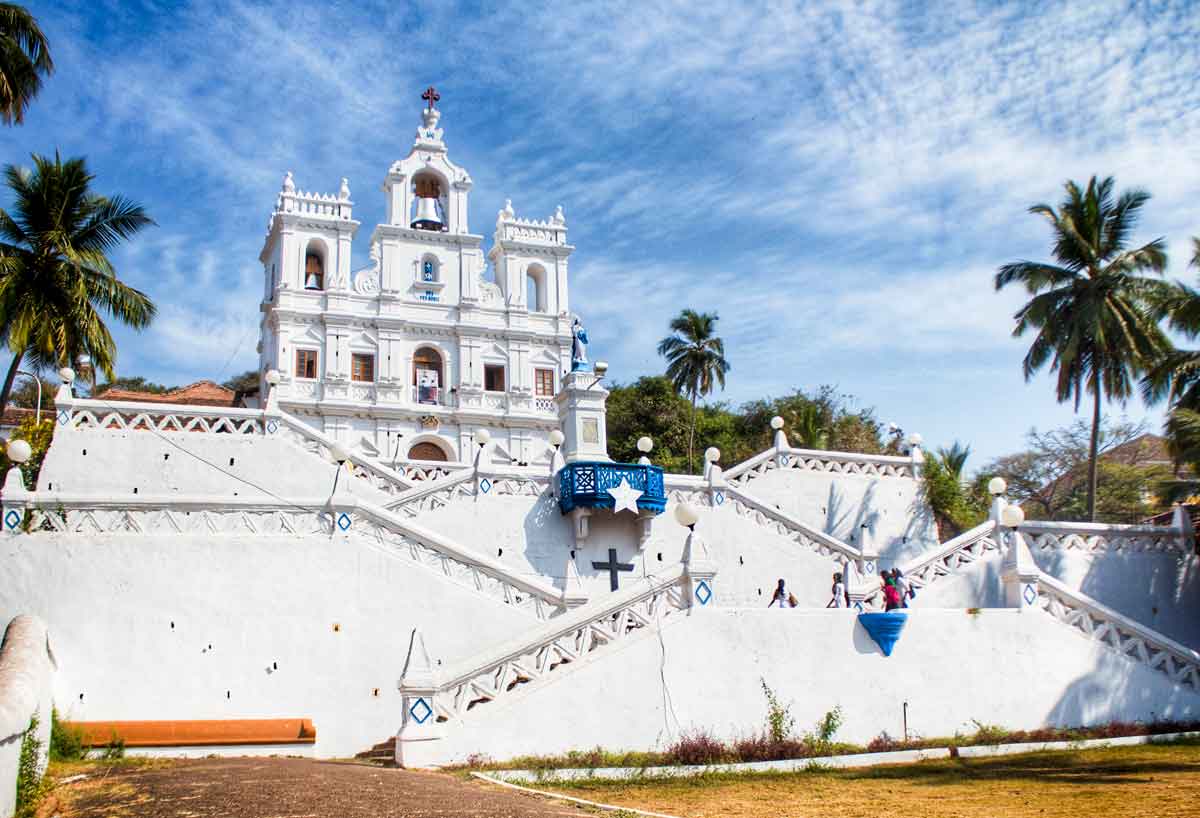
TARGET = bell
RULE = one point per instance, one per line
(427, 217)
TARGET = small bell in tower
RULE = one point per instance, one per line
(428, 215)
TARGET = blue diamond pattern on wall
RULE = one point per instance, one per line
(858, 606)
(344, 521)
(420, 711)
(703, 592)
(785, 460)
(869, 567)
(485, 485)
(1030, 594)
(719, 498)
(272, 427)
(63, 418)
(12, 519)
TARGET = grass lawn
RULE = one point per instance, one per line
(1161, 781)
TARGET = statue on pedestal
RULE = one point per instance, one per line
(579, 361)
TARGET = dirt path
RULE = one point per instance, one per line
(290, 788)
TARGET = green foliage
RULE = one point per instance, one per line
(780, 723)
(245, 382)
(66, 741)
(1124, 493)
(955, 506)
(38, 437)
(25, 394)
(115, 749)
(30, 787)
(136, 383)
(696, 361)
(24, 60)
(1093, 313)
(57, 282)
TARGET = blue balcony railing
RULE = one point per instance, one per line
(586, 485)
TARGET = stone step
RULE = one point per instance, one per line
(383, 753)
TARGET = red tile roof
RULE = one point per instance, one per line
(200, 393)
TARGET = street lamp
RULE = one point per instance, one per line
(686, 516)
(38, 381)
(997, 486)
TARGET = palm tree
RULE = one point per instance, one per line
(808, 427)
(55, 275)
(24, 59)
(695, 360)
(954, 459)
(1095, 316)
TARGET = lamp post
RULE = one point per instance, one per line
(644, 445)
(38, 381)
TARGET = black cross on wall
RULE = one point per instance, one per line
(612, 567)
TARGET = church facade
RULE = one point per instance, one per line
(405, 358)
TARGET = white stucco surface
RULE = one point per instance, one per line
(1019, 669)
(535, 538)
(1160, 590)
(897, 520)
(114, 463)
(241, 627)
(26, 674)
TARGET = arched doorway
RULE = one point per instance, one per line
(427, 451)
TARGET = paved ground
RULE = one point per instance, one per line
(289, 788)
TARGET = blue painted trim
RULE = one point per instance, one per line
(884, 628)
(704, 594)
(426, 711)
(586, 485)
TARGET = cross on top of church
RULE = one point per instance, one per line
(431, 96)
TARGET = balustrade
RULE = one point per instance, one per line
(586, 485)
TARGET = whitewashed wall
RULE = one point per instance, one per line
(26, 673)
(531, 536)
(1018, 669)
(1160, 590)
(114, 463)
(899, 523)
(164, 627)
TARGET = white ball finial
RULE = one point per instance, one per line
(685, 515)
(777, 423)
(339, 453)
(645, 444)
(67, 374)
(997, 486)
(1012, 516)
(915, 439)
(272, 377)
(482, 436)
(19, 451)
(556, 438)
(712, 454)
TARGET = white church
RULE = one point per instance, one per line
(406, 357)
(419, 543)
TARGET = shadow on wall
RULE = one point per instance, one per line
(548, 540)
(1118, 689)
(1159, 590)
(978, 587)
(850, 522)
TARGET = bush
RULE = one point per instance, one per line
(66, 741)
(779, 718)
(30, 787)
(39, 438)
(699, 748)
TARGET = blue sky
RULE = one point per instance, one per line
(838, 181)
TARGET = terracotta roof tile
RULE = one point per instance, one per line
(200, 393)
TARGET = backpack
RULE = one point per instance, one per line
(792, 600)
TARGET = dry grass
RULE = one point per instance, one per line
(1163, 781)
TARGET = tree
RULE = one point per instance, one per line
(24, 60)
(135, 383)
(695, 361)
(55, 275)
(246, 382)
(1094, 315)
(1045, 479)
(954, 459)
(26, 394)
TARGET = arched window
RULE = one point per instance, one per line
(314, 267)
(427, 451)
(535, 288)
(427, 376)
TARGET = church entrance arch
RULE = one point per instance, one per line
(427, 451)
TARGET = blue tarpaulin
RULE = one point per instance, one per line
(884, 628)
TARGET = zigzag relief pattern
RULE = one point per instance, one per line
(780, 526)
(925, 571)
(1091, 543)
(458, 697)
(172, 422)
(502, 486)
(175, 521)
(381, 481)
(1179, 665)
(799, 462)
(467, 575)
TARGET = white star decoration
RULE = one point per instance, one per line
(625, 496)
